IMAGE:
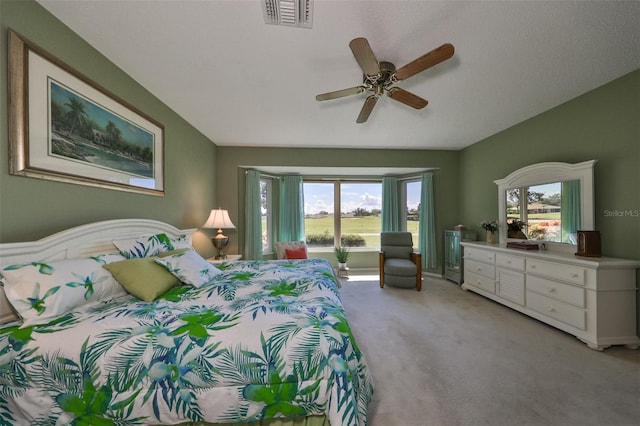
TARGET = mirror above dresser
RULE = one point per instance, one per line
(547, 202)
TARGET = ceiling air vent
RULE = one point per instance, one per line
(295, 13)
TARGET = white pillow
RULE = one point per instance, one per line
(41, 291)
(147, 246)
(189, 267)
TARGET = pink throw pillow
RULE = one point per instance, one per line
(297, 253)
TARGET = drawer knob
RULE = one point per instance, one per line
(532, 266)
(551, 289)
(574, 275)
(551, 309)
(509, 262)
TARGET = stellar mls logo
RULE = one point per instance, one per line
(622, 213)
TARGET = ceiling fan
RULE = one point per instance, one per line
(379, 77)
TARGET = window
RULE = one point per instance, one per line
(358, 223)
(411, 213)
(266, 209)
(318, 214)
(539, 210)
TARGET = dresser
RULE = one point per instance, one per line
(593, 299)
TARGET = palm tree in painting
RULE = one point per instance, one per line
(113, 133)
(76, 114)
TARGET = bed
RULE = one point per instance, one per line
(248, 342)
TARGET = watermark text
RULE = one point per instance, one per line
(622, 213)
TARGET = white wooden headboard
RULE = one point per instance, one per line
(80, 241)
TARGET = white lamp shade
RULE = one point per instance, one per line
(219, 219)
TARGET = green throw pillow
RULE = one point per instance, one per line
(143, 277)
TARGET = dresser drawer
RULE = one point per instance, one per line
(511, 262)
(479, 255)
(510, 285)
(484, 283)
(568, 273)
(563, 292)
(560, 311)
(483, 269)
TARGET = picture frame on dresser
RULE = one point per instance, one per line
(65, 127)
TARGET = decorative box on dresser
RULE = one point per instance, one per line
(593, 299)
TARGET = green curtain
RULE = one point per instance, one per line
(390, 205)
(253, 217)
(291, 209)
(570, 209)
(427, 236)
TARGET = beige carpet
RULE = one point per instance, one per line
(445, 356)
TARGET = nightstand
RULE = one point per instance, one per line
(230, 258)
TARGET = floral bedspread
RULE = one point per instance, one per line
(265, 339)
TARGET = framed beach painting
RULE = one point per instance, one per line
(64, 127)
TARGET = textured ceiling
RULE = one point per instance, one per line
(242, 82)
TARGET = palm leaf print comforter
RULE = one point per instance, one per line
(265, 339)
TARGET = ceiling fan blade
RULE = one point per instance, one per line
(428, 60)
(369, 103)
(340, 93)
(407, 98)
(365, 57)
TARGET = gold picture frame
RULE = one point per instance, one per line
(65, 127)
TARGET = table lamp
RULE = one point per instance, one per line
(219, 219)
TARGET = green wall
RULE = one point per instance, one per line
(602, 125)
(32, 208)
(232, 180)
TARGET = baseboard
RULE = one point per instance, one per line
(376, 271)
(432, 275)
(364, 271)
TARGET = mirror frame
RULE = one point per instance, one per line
(543, 173)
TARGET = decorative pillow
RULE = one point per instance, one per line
(182, 241)
(189, 267)
(144, 246)
(143, 277)
(40, 291)
(295, 253)
(281, 246)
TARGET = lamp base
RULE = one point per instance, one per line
(220, 241)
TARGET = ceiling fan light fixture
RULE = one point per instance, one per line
(380, 76)
(293, 13)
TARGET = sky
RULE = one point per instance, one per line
(319, 196)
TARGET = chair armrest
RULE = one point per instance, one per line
(416, 258)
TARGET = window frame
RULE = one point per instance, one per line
(267, 181)
(403, 202)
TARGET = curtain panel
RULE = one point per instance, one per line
(253, 217)
(390, 205)
(291, 209)
(570, 210)
(427, 237)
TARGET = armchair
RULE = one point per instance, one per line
(400, 266)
